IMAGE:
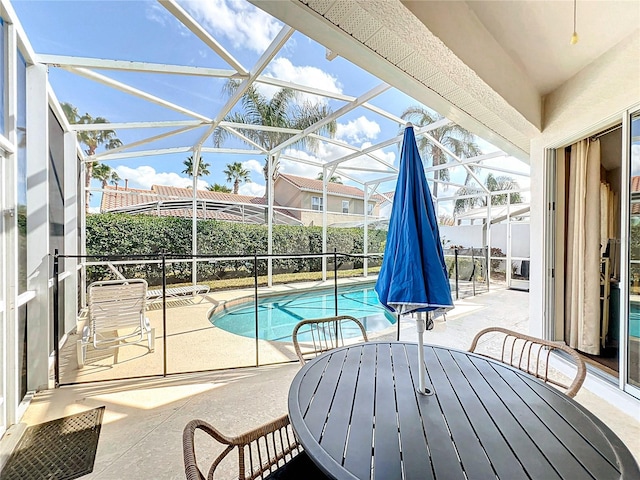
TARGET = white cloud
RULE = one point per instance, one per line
(242, 23)
(328, 152)
(252, 189)
(145, 176)
(157, 13)
(358, 130)
(635, 160)
(300, 169)
(254, 166)
(282, 69)
(94, 209)
(389, 157)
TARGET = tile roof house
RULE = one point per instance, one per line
(165, 200)
(303, 196)
(297, 200)
(635, 195)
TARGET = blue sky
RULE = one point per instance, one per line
(145, 31)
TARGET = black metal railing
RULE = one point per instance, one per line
(468, 270)
(166, 270)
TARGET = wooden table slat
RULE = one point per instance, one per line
(359, 444)
(386, 451)
(415, 457)
(443, 454)
(472, 455)
(335, 434)
(590, 428)
(499, 435)
(309, 386)
(584, 452)
(554, 451)
(323, 397)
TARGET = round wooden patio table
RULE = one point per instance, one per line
(358, 415)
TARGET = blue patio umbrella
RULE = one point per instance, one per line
(413, 276)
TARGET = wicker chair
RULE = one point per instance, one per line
(270, 451)
(324, 334)
(531, 355)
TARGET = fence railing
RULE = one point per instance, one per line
(468, 270)
(238, 320)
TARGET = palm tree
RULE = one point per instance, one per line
(236, 173)
(91, 139)
(216, 187)
(493, 184)
(454, 137)
(105, 174)
(502, 183)
(333, 179)
(203, 167)
(281, 110)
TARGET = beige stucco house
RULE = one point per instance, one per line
(304, 198)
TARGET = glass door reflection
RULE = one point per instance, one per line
(632, 329)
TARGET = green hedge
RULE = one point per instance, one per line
(124, 234)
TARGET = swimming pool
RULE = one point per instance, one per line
(634, 319)
(278, 315)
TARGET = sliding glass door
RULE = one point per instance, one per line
(3, 302)
(630, 329)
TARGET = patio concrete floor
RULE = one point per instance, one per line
(142, 430)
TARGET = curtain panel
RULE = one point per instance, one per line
(582, 287)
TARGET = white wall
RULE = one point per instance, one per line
(471, 236)
(594, 98)
(462, 235)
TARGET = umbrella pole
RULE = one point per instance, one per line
(422, 373)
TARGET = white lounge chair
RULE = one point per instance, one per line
(178, 292)
(116, 317)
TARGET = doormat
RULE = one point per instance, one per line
(61, 449)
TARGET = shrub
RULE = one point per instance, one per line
(124, 234)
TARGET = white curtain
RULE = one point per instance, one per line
(604, 217)
(582, 302)
(609, 226)
(608, 214)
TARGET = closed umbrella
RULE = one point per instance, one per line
(413, 276)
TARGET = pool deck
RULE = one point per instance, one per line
(144, 418)
(188, 330)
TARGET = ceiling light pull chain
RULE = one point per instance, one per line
(574, 37)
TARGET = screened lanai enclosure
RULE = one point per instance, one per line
(318, 137)
(213, 125)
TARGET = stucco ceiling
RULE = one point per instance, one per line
(484, 64)
(536, 34)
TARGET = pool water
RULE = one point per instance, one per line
(634, 319)
(278, 315)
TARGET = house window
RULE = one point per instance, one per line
(316, 203)
(369, 208)
(345, 206)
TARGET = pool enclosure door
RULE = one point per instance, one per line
(518, 253)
